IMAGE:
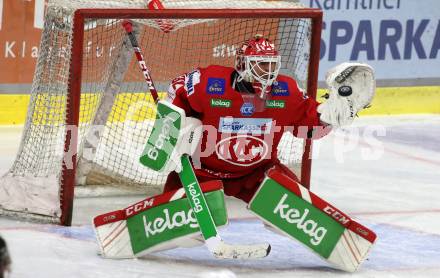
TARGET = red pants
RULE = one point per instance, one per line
(242, 188)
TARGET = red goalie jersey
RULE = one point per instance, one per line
(239, 141)
(245, 110)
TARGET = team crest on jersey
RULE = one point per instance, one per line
(216, 86)
(192, 79)
(254, 126)
(242, 150)
(280, 89)
(247, 109)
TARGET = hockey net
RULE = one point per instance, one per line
(110, 104)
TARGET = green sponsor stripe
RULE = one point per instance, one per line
(275, 103)
(172, 220)
(217, 102)
(163, 138)
(297, 217)
(196, 199)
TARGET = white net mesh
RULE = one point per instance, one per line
(113, 114)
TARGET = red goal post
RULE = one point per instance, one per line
(83, 73)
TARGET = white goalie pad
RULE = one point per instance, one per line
(162, 222)
(351, 88)
(290, 209)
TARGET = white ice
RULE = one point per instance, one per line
(383, 171)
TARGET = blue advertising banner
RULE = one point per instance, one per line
(399, 38)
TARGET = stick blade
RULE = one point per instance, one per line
(227, 251)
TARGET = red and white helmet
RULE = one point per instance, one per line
(257, 61)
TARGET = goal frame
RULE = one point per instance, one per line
(75, 72)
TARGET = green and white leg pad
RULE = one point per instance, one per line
(158, 223)
(299, 214)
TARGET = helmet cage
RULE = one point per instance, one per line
(251, 70)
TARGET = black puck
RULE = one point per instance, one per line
(345, 91)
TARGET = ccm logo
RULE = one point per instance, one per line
(139, 207)
(362, 231)
(109, 218)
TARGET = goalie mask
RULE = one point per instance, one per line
(258, 63)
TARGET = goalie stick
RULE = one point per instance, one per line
(213, 241)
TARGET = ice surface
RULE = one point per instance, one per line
(383, 171)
